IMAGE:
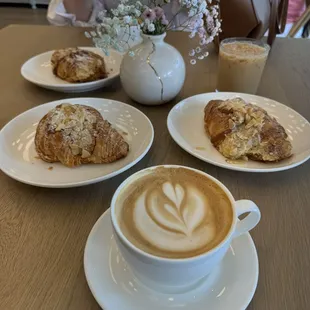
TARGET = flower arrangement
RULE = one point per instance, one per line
(117, 28)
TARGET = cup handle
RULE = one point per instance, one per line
(250, 221)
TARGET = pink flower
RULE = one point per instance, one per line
(148, 14)
(159, 12)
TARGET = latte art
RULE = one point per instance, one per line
(186, 214)
(174, 215)
(170, 218)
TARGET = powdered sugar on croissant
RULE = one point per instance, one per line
(77, 134)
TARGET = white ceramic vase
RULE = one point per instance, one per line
(152, 72)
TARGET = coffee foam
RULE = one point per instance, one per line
(174, 212)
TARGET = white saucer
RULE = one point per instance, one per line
(231, 286)
(186, 126)
(38, 70)
(19, 159)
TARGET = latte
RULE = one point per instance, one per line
(174, 212)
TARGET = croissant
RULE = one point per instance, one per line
(75, 65)
(78, 134)
(242, 130)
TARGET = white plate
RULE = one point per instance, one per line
(231, 285)
(186, 126)
(38, 70)
(19, 159)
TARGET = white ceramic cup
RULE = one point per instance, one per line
(174, 275)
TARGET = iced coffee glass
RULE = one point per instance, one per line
(241, 64)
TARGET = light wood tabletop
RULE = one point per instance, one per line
(43, 231)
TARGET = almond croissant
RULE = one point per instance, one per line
(76, 66)
(242, 130)
(77, 134)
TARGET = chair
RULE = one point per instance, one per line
(304, 18)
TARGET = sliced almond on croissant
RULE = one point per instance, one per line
(77, 134)
(239, 130)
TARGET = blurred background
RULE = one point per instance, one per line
(34, 12)
(23, 12)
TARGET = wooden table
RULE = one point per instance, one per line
(43, 231)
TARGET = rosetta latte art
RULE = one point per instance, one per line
(174, 218)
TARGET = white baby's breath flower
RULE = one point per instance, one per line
(151, 27)
(202, 42)
(115, 20)
(121, 8)
(138, 4)
(137, 13)
(115, 31)
(115, 12)
(185, 2)
(107, 28)
(102, 14)
(191, 12)
(210, 39)
(192, 53)
(194, 2)
(127, 19)
(106, 21)
(203, 6)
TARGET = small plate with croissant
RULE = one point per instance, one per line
(74, 142)
(240, 132)
(73, 70)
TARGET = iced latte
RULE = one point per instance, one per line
(241, 64)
